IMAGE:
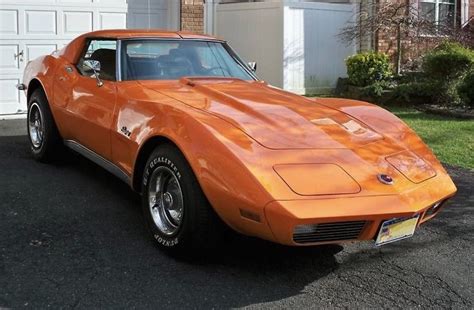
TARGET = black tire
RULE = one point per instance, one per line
(50, 145)
(200, 227)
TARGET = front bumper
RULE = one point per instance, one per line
(333, 213)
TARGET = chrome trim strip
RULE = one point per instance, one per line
(227, 47)
(239, 60)
(118, 59)
(169, 39)
(99, 160)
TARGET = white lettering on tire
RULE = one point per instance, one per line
(154, 162)
(168, 243)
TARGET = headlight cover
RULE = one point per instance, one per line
(317, 179)
(411, 166)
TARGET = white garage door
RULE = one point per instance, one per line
(163, 14)
(31, 28)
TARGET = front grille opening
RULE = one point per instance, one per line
(328, 231)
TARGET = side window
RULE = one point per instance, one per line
(103, 52)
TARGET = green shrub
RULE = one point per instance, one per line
(446, 66)
(447, 46)
(466, 89)
(448, 61)
(410, 77)
(365, 69)
(375, 89)
(414, 91)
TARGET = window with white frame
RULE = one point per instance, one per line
(441, 12)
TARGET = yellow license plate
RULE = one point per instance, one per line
(396, 229)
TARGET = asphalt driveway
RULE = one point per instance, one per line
(71, 235)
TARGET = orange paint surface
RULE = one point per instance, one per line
(255, 149)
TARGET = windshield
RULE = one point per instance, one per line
(172, 59)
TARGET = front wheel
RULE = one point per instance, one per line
(176, 211)
(42, 132)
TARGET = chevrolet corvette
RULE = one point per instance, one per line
(189, 126)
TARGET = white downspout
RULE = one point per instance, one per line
(464, 12)
(210, 16)
(174, 14)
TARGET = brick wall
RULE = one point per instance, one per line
(386, 41)
(192, 15)
(412, 50)
(471, 8)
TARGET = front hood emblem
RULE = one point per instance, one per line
(385, 179)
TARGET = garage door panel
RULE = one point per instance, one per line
(114, 1)
(143, 20)
(77, 22)
(10, 100)
(144, 4)
(9, 91)
(27, 2)
(76, 1)
(7, 57)
(36, 50)
(40, 22)
(113, 20)
(8, 21)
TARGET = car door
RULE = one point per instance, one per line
(87, 96)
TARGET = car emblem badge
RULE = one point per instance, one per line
(385, 179)
(125, 131)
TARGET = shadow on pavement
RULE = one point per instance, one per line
(72, 235)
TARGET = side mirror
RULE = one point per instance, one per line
(94, 65)
(253, 66)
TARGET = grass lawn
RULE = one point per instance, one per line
(451, 139)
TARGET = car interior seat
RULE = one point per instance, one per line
(106, 57)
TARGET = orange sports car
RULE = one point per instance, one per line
(188, 125)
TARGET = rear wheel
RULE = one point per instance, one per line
(42, 132)
(176, 211)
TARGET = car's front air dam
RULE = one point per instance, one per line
(347, 212)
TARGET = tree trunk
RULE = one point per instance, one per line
(399, 49)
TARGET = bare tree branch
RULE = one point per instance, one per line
(402, 21)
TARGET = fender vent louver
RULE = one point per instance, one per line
(328, 231)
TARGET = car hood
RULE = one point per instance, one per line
(276, 119)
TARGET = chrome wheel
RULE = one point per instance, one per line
(35, 125)
(165, 200)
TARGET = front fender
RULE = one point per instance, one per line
(216, 151)
(383, 122)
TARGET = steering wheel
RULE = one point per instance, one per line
(221, 69)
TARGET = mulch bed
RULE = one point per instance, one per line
(445, 111)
